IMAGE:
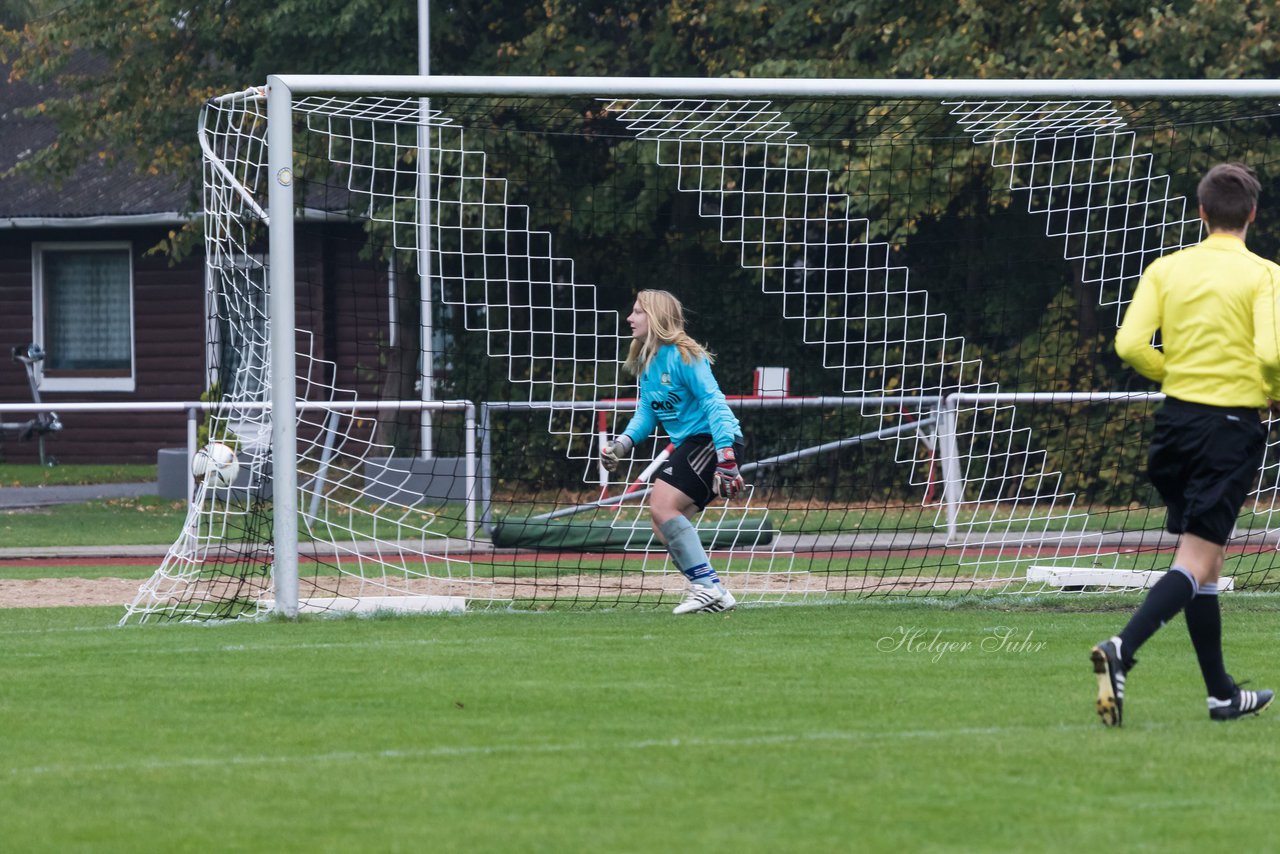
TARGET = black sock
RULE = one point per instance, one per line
(1167, 597)
(1204, 624)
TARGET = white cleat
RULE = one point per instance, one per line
(705, 600)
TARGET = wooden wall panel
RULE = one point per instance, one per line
(168, 351)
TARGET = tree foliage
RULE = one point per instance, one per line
(156, 61)
(132, 74)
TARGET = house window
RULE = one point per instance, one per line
(84, 316)
(237, 348)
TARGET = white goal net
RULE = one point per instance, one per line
(938, 280)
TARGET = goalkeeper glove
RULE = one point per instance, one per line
(613, 452)
(727, 480)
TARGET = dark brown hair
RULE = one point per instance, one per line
(1228, 193)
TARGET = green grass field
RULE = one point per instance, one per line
(30, 474)
(882, 726)
(111, 522)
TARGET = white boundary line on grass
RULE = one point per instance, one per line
(448, 751)
(263, 647)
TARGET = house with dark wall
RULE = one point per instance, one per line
(119, 324)
(116, 324)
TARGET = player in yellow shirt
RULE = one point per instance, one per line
(1214, 305)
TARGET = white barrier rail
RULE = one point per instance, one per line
(194, 408)
(949, 455)
(953, 484)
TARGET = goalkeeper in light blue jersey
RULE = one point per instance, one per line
(678, 390)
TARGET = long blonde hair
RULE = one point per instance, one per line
(666, 326)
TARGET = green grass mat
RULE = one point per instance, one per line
(749, 531)
(149, 520)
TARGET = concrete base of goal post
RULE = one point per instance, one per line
(1070, 577)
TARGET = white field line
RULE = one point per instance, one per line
(594, 747)
(265, 647)
(469, 641)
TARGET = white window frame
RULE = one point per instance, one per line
(80, 383)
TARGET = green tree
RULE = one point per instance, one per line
(131, 76)
(156, 61)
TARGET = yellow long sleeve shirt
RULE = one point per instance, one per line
(1215, 306)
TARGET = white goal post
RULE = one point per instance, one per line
(1073, 153)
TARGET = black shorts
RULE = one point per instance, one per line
(691, 466)
(1204, 461)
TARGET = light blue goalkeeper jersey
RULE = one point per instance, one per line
(685, 398)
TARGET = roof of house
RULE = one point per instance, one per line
(100, 192)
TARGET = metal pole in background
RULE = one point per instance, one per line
(470, 469)
(426, 333)
(949, 454)
(193, 436)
